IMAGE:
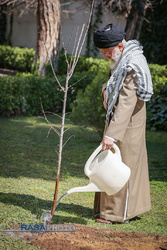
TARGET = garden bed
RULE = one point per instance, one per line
(86, 237)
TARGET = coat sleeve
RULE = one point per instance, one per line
(124, 110)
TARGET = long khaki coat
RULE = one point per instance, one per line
(128, 126)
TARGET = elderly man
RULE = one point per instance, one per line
(128, 88)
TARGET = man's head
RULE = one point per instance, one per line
(110, 40)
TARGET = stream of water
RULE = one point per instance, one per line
(57, 203)
(47, 214)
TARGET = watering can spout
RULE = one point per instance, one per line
(91, 187)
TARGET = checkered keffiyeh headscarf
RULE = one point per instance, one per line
(132, 59)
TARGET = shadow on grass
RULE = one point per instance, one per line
(38, 206)
(26, 150)
(137, 218)
(157, 155)
(58, 219)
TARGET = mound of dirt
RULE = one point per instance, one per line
(93, 238)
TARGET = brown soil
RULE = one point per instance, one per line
(93, 238)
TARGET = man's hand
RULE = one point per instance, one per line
(104, 99)
(107, 143)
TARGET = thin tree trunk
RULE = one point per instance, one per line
(48, 28)
(60, 146)
(135, 19)
(71, 64)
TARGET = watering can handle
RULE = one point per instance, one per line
(93, 155)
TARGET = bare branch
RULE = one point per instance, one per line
(56, 152)
(50, 124)
(86, 31)
(52, 113)
(75, 42)
(62, 88)
(76, 51)
(65, 50)
(76, 82)
(74, 64)
(70, 39)
(19, 6)
(74, 47)
(67, 113)
(66, 130)
(69, 74)
(49, 132)
(68, 140)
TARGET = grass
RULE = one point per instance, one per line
(28, 165)
(8, 243)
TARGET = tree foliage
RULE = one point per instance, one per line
(153, 34)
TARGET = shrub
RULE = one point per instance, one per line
(48, 90)
(87, 64)
(159, 77)
(22, 93)
(11, 96)
(88, 108)
(158, 107)
(20, 59)
(44, 88)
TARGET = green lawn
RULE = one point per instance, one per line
(28, 165)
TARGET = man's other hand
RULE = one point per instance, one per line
(104, 99)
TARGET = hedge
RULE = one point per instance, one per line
(20, 59)
(21, 94)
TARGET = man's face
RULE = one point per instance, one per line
(112, 54)
(107, 52)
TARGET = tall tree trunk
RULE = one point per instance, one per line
(135, 19)
(48, 27)
(3, 24)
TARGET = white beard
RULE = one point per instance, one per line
(115, 58)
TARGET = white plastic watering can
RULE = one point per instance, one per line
(106, 171)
